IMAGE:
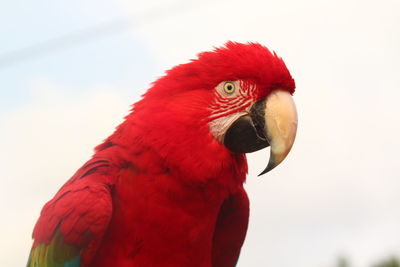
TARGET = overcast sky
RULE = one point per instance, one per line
(337, 193)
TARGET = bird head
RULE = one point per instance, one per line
(205, 114)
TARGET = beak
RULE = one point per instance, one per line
(271, 122)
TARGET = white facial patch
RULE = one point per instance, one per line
(218, 127)
(233, 99)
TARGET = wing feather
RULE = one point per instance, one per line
(72, 224)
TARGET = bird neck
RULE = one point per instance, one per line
(191, 158)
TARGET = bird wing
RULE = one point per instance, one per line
(230, 230)
(72, 224)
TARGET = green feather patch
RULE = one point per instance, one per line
(56, 254)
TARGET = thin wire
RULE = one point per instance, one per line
(62, 42)
(89, 34)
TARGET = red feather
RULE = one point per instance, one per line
(161, 191)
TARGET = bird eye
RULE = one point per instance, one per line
(229, 88)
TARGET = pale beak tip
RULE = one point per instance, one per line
(280, 126)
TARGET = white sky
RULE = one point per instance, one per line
(337, 193)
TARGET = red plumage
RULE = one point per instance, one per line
(161, 190)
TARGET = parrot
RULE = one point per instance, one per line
(166, 188)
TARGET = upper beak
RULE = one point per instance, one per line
(271, 121)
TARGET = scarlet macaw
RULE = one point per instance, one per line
(166, 188)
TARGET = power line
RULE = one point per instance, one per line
(90, 34)
(62, 42)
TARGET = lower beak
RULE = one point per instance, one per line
(271, 122)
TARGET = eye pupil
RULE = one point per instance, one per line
(229, 87)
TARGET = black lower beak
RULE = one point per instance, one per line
(247, 133)
(271, 122)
